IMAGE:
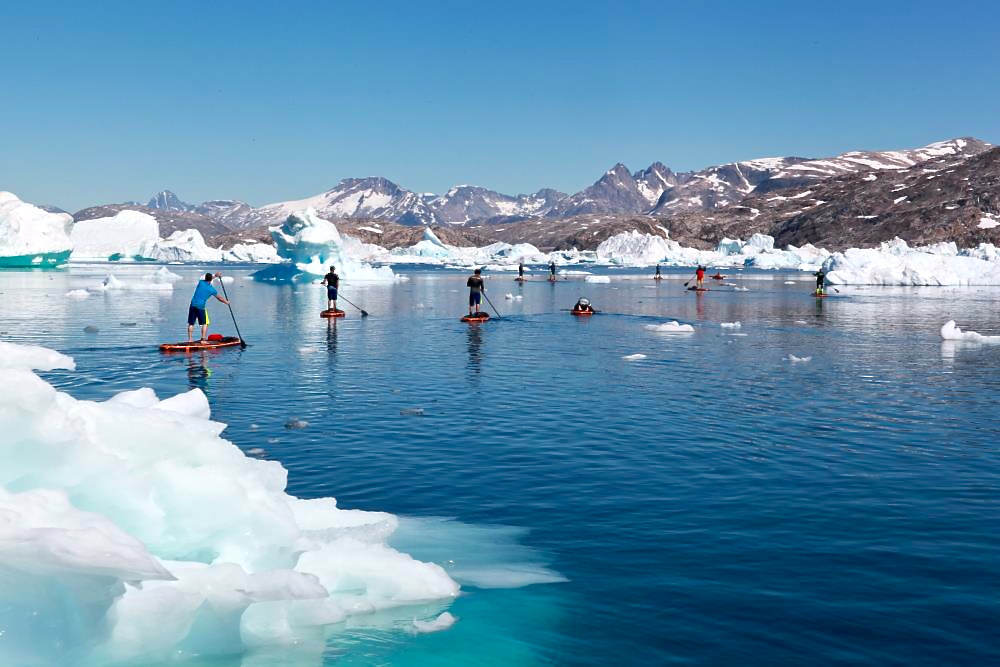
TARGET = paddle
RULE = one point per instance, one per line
(364, 313)
(243, 343)
(491, 305)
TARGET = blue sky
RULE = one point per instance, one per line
(115, 100)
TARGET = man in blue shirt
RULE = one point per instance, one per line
(196, 313)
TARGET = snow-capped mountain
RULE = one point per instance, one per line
(228, 212)
(373, 198)
(465, 203)
(617, 191)
(165, 200)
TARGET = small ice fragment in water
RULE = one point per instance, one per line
(671, 327)
(508, 296)
(256, 451)
(597, 279)
(801, 322)
(90, 328)
(442, 622)
(634, 357)
(741, 289)
(254, 427)
(412, 412)
(792, 358)
(296, 423)
(78, 294)
(789, 282)
(952, 332)
(730, 325)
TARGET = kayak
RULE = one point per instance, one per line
(582, 313)
(698, 289)
(332, 312)
(718, 276)
(210, 344)
(478, 317)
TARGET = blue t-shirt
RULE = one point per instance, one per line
(202, 294)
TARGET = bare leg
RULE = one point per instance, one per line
(190, 332)
(204, 331)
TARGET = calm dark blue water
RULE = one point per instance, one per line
(713, 502)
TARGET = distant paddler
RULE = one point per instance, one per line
(699, 275)
(820, 282)
(552, 269)
(520, 271)
(196, 312)
(476, 287)
(657, 275)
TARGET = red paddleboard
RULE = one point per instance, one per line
(582, 313)
(521, 280)
(211, 344)
(331, 312)
(478, 317)
(657, 277)
(698, 289)
(820, 296)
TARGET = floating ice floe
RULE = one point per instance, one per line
(951, 332)
(896, 263)
(442, 622)
(31, 236)
(597, 279)
(78, 294)
(161, 280)
(108, 555)
(308, 246)
(796, 360)
(730, 325)
(634, 357)
(671, 327)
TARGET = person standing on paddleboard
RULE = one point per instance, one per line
(699, 275)
(520, 270)
(820, 281)
(657, 274)
(476, 287)
(196, 312)
(552, 269)
(332, 282)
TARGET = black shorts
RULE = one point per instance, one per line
(196, 314)
(475, 298)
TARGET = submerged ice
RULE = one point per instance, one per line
(108, 555)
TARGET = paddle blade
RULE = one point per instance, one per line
(364, 313)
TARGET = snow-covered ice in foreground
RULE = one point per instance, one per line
(308, 246)
(671, 327)
(442, 622)
(896, 263)
(31, 236)
(108, 555)
(634, 357)
(125, 235)
(951, 332)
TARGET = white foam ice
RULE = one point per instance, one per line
(671, 327)
(896, 263)
(308, 246)
(107, 553)
(31, 236)
(950, 331)
(126, 234)
(730, 325)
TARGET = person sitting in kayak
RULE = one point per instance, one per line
(476, 287)
(332, 282)
(583, 306)
(196, 312)
(820, 282)
(552, 270)
(699, 275)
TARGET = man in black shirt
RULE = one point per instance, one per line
(332, 282)
(476, 287)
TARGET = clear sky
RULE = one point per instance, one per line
(109, 101)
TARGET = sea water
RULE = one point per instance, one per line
(714, 501)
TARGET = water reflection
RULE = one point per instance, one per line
(198, 371)
(474, 343)
(331, 335)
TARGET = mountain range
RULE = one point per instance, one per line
(702, 200)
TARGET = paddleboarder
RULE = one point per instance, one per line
(196, 312)
(699, 275)
(332, 282)
(820, 281)
(552, 269)
(476, 287)
(520, 271)
(657, 275)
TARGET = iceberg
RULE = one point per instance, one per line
(187, 245)
(108, 556)
(671, 327)
(308, 246)
(896, 263)
(951, 332)
(127, 234)
(252, 253)
(31, 236)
